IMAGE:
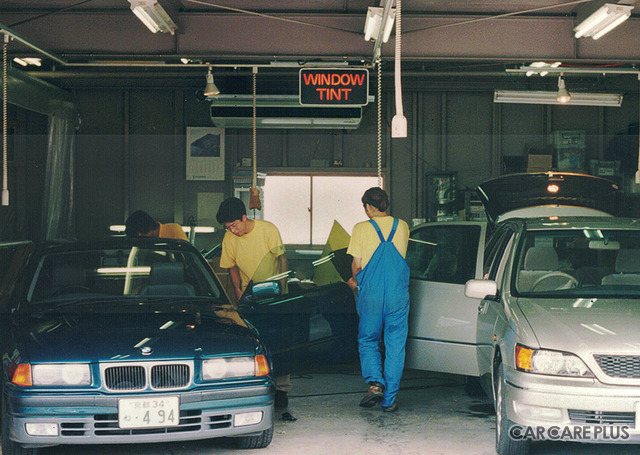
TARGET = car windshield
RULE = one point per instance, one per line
(579, 262)
(121, 273)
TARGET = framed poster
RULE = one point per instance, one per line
(205, 153)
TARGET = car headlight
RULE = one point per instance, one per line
(234, 367)
(61, 374)
(544, 361)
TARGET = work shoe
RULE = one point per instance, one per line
(392, 408)
(373, 396)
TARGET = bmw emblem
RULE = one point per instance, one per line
(146, 350)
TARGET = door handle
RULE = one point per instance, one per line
(482, 308)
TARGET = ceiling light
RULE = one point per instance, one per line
(153, 15)
(26, 61)
(375, 22)
(563, 96)
(542, 65)
(211, 88)
(603, 20)
(539, 97)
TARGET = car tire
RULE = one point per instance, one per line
(505, 444)
(10, 447)
(473, 387)
(259, 441)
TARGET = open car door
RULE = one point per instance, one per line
(306, 321)
(442, 257)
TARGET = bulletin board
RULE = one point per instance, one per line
(205, 153)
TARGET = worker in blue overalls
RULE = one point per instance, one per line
(381, 277)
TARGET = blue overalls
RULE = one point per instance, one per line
(383, 304)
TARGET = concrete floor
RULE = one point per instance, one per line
(435, 417)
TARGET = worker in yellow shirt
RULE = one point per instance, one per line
(141, 224)
(381, 277)
(252, 250)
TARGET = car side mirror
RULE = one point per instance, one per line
(480, 289)
(265, 289)
(255, 292)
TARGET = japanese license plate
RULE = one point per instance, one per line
(148, 412)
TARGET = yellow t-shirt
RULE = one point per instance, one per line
(171, 231)
(365, 240)
(256, 253)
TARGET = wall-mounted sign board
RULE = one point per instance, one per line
(334, 86)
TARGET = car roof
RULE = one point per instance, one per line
(580, 223)
(549, 193)
(53, 246)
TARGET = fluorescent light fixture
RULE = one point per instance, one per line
(200, 229)
(186, 229)
(603, 20)
(563, 95)
(26, 61)
(153, 15)
(539, 97)
(542, 66)
(210, 88)
(375, 21)
(138, 270)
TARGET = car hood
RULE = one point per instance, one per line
(585, 325)
(108, 336)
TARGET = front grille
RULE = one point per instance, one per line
(125, 378)
(138, 376)
(602, 417)
(169, 376)
(619, 366)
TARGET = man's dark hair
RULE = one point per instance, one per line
(230, 210)
(139, 222)
(377, 197)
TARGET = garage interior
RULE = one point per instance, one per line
(97, 128)
(131, 100)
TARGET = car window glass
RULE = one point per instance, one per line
(122, 272)
(491, 250)
(493, 260)
(502, 259)
(581, 262)
(13, 256)
(445, 253)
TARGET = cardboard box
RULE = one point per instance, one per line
(538, 163)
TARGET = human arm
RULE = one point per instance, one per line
(283, 267)
(356, 266)
(234, 274)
